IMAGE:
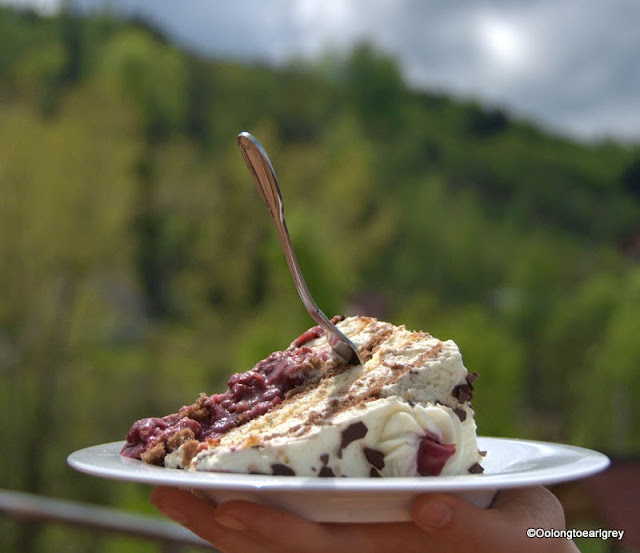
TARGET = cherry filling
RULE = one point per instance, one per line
(249, 395)
(432, 455)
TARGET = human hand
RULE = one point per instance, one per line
(441, 523)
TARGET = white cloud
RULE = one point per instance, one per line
(45, 7)
(571, 66)
(506, 45)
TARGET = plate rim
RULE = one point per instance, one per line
(586, 462)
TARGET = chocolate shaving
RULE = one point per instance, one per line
(476, 468)
(472, 377)
(324, 458)
(373, 473)
(282, 470)
(326, 472)
(353, 432)
(461, 413)
(462, 392)
(375, 457)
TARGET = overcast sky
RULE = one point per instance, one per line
(571, 65)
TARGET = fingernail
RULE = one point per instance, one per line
(173, 513)
(231, 522)
(435, 514)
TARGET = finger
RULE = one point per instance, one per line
(282, 530)
(524, 505)
(535, 507)
(288, 533)
(198, 516)
(455, 524)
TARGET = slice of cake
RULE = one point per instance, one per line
(303, 411)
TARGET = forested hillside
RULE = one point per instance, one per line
(139, 266)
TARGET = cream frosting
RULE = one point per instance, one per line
(366, 420)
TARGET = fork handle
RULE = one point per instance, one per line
(265, 178)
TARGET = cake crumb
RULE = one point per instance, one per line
(189, 450)
(179, 438)
(154, 455)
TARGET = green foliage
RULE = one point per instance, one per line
(139, 266)
(153, 75)
(604, 322)
(375, 89)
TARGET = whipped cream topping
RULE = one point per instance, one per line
(405, 429)
(381, 438)
(376, 419)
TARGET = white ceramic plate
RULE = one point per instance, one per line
(509, 463)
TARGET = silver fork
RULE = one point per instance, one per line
(264, 176)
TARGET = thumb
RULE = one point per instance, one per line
(455, 525)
